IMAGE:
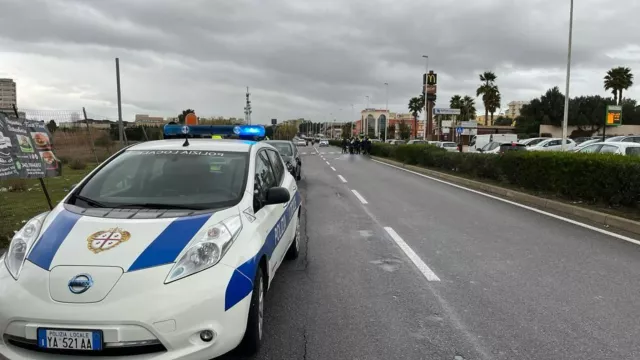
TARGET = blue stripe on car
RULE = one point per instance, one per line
(168, 245)
(241, 282)
(46, 248)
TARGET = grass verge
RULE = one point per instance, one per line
(18, 206)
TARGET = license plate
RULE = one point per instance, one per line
(82, 340)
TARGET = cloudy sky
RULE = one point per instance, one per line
(302, 58)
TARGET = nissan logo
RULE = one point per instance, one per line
(80, 283)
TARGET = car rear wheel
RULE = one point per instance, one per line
(299, 175)
(253, 335)
(294, 248)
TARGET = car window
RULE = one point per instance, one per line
(278, 166)
(264, 180)
(283, 148)
(494, 145)
(632, 151)
(608, 149)
(554, 143)
(192, 179)
(535, 141)
(590, 149)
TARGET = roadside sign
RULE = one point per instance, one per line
(469, 124)
(443, 111)
(459, 129)
(191, 119)
(430, 79)
(614, 115)
(274, 121)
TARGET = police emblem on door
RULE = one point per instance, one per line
(107, 240)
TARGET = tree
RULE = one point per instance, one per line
(184, 113)
(52, 126)
(391, 132)
(492, 101)
(467, 108)
(416, 105)
(346, 130)
(488, 78)
(404, 131)
(285, 132)
(616, 80)
(503, 121)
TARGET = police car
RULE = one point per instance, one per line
(164, 251)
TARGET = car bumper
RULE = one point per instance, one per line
(138, 309)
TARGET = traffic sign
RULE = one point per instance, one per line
(459, 129)
(443, 111)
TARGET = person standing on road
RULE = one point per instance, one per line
(356, 146)
(344, 145)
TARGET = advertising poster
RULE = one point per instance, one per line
(25, 150)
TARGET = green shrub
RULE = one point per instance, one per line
(78, 164)
(594, 178)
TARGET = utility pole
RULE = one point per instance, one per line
(565, 119)
(247, 108)
(426, 101)
(120, 124)
(386, 123)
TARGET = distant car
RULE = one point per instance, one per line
(301, 142)
(586, 143)
(532, 141)
(553, 144)
(395, 142)
(496, 147)
(289, 153)
(323, 143)
(416, 142)
(630, 138)
(612, 147)
(447, 145)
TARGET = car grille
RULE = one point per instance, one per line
(32, 345)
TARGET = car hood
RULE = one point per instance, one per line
(72, 239)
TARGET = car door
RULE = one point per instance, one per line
(286, 226)
(609, 149)
(267, 216)
(590, 149)
(553, 145)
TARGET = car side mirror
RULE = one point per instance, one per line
(277, 195)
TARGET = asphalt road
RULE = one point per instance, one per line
(410, 268)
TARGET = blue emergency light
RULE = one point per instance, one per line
(245, 132)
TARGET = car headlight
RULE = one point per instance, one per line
(21, 243)
(208, 247)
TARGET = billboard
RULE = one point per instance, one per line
(614, 115)
(26, 150)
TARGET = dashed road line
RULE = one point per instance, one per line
(360, 197)
(328, 163)
(343, 179)
(415, 259)
(332, 168)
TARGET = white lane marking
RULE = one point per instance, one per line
(424, 269)
(344, 181)
(332, 168)
(357, 194)
(327, 163)
(570, 221)
(304, 153)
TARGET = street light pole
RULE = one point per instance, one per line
(352, 117)
(386, 123)
(565, 119)
(426, 102)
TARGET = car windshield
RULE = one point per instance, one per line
(534, 141)
(615, 138)
(283, 148)
(167, 179)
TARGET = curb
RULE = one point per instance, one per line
(597, 217)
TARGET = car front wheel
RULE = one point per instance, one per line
(253, 335)
(294, 248)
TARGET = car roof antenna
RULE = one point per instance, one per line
(185, 131)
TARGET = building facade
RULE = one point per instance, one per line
(146, 120)
(8, 96)
(514, 108)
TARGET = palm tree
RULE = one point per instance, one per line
(488, 78)
(416, 105)
(492, 101)
(455, 102)
(467, 108)
(616, 80)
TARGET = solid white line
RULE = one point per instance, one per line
(344, 181)
(327, 163)
(570, 221)
(357, 194)
(332, 168)
(424, 269)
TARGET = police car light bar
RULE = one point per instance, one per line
(250, 132)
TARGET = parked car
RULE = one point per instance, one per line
(628, 138)
(416, 142)
(289, 153)
(612, 147)
(323, 143)
(532, 141)
(552, 144)
(586, 143)
(447, 145)
(479, 141)
(395, 142)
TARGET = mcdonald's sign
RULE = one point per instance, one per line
(430, 79)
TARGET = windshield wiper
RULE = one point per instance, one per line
(90, 201)
(158, 206)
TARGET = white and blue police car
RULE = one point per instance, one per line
(164, 251)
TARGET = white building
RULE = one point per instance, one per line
(514, 108)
